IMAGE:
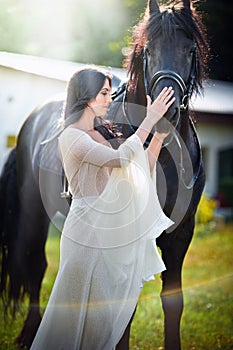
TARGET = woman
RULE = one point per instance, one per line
(108, 241)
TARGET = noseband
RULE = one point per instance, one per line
(186, 90)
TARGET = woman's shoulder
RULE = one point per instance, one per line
(71, 136)
(69, 131)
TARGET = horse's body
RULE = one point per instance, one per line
(168, 51)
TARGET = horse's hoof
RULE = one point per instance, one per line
(25, 338)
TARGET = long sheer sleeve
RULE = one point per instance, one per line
(85, 149)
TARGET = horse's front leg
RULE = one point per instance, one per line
(172, 302)
(174, 247)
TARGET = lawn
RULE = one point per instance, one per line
(207, 321)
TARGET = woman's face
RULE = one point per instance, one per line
(101, 103)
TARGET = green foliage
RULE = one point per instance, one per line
(12, 28)
(110, 24)
(98, 31)
(205, 214)
(83, 31)
(205, 210)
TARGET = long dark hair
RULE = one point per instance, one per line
(83, 86)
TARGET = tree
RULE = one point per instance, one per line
(98, 32)
(217, 16)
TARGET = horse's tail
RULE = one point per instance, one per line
(9, 213)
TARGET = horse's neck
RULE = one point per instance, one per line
(136, 103)
(137, 95)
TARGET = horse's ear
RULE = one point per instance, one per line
(187, 5)
(153, 6)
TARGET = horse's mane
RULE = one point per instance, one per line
(163, 23)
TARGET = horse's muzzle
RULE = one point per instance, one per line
(171, 118)
(169, 121)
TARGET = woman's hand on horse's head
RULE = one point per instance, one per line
(160, 105)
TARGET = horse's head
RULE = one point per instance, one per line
(169, 48)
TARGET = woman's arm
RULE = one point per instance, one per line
(85, 149)
(154, 148)
(162, 103)
(155, 111)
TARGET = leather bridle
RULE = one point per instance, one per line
(186, 90)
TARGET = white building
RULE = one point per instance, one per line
(214, 116)
(27, 81)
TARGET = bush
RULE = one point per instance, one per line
(205, 210)
(205, 214)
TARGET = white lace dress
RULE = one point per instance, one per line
(107, 247)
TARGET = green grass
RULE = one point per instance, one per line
(207, 321)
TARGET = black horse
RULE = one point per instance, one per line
(169, 49)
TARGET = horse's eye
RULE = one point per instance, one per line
(147, 48)
(193, 48)
(189, 50)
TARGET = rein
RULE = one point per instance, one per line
(182, 169)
